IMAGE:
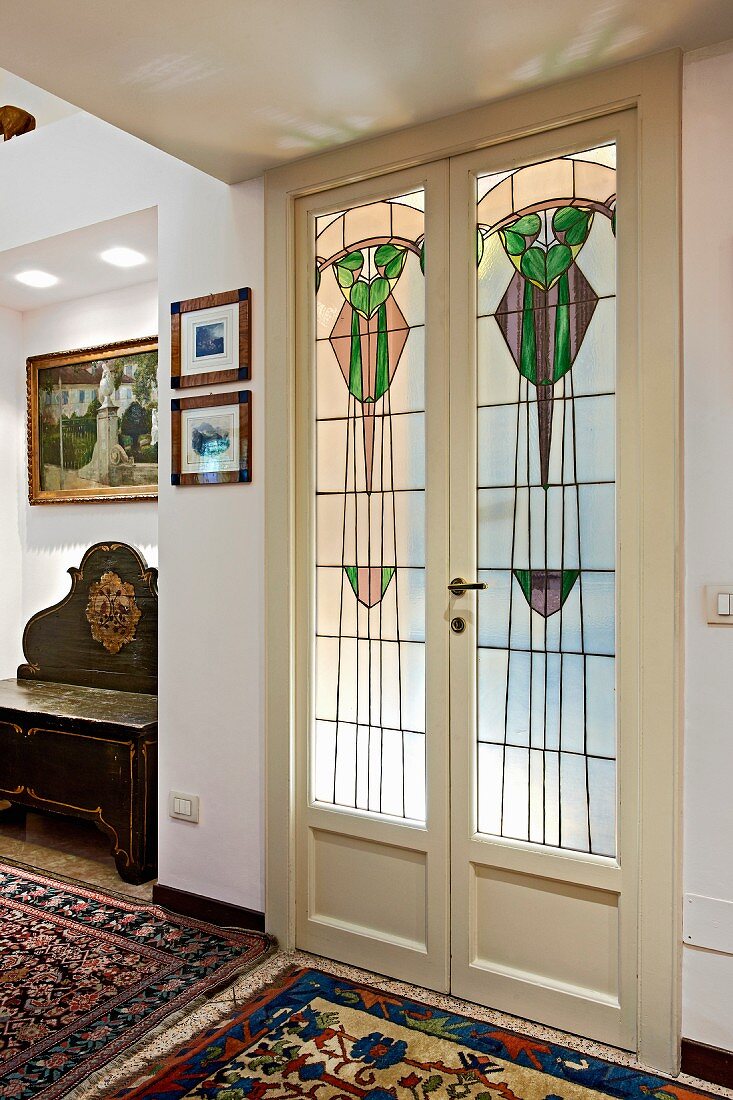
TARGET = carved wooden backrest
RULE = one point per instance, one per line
(104, 634)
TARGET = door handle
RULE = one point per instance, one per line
(458, 586)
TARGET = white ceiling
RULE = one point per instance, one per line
(236, 86)
(74, 259)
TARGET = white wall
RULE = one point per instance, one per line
(12, 396)
(75, 172)
(708, 345)
(53, 537)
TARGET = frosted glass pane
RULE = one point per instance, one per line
(595, 438)
(599, 612)
(574, 802)
(332, 396)
(517, 721)
(594, 370)
(379, 519)
(598, 525)
(415, 776)
(494, 274)
(407, 392)
(495, 528)
(601, 706)
(406, 435)
(498, 379)
(602, 794)
(410, 291)
(498, 449)
(493, 609)
(572, 730)
(516, 794)
(597, 258)
(490, 776)
(493, 665)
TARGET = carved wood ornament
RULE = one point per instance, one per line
(112, 612)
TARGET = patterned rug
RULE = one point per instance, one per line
(326, 1038)
(84, 975)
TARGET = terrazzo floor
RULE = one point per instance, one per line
(139, 1061)
(77, 850)
(65, 847)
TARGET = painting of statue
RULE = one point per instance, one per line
(93, 423)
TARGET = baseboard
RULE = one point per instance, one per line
(207, 909)
(708, 1063)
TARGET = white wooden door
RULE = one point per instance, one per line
(372, 533)
(536, 481)
(545, 423)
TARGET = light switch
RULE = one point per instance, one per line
(719, 604)
(184, 807)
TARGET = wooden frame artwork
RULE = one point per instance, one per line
(92, 423)
(211, 339)
(212, 447)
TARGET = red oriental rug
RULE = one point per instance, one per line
(84, 975)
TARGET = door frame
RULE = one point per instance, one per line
(652, 88)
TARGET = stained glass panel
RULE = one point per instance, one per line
(369, 730)
(546, 428)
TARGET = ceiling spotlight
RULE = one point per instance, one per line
(123, 257)
(36, 278)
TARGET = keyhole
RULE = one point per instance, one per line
(458, 625)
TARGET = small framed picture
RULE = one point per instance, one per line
(212, 439)
(211, 339)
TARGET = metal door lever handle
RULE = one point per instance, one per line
(458, 586)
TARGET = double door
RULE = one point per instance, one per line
(467, 586)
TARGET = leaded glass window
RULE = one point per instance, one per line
(546, 502)
(369, 737)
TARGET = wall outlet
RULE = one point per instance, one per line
(183, 807)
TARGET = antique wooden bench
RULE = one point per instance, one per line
(79, 725)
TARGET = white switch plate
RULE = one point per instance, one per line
(712, 592)
(183, 807)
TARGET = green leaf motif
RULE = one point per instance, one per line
(545, 268)
(514, 243)
(366, 298)
(386, 253)
(528, 226)
(393, 269)
(390, 259)
(353, 261)
(574, 223)
(348, 268)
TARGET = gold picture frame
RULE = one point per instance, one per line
(92, 423)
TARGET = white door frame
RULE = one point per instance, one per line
(652, 88)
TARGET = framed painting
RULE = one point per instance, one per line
(211, 339)
(212, 439)
(93, 423)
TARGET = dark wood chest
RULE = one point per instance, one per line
(78, 727)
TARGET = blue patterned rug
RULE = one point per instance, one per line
(319, 1037)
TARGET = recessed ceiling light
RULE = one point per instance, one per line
(36, 278)
(123, 257)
